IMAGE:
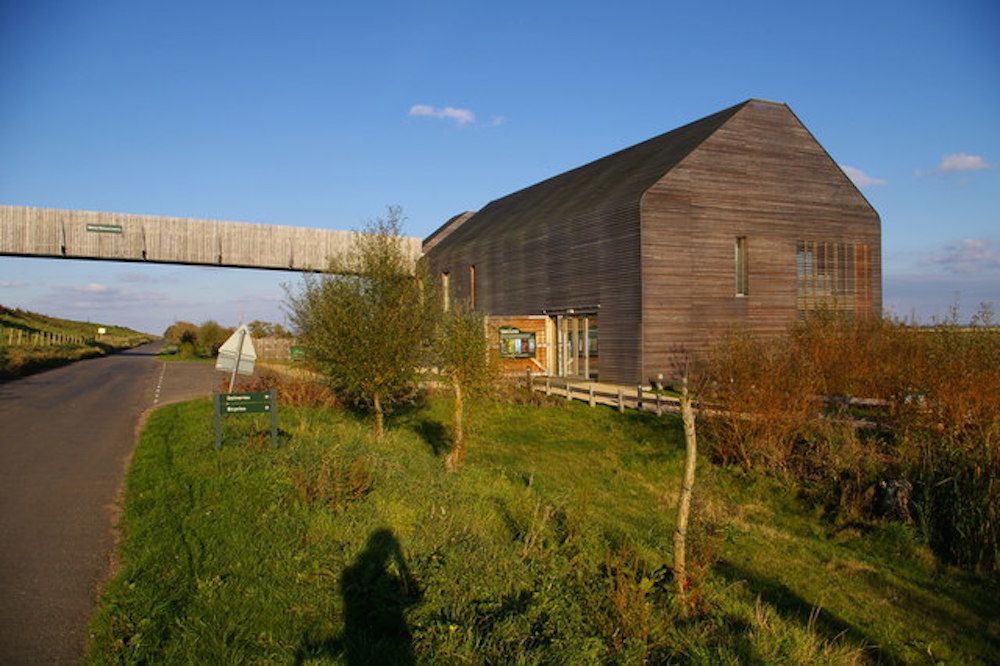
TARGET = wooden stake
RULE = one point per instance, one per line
(687, 490)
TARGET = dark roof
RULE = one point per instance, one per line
(608, 183)
(441, 232)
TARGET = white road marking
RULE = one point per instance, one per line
(159, 384)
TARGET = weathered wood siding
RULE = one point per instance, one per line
(763, 176)
(590, 259)
(49, 232)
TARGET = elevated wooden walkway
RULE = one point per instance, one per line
(77, 234)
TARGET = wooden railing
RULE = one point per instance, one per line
(596, 393)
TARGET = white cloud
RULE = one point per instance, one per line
(12, 284)
(958, 163)
(460, 116)
(101, 298)
(962, 162)
(860, 178)
(968, 256)
(497, 121)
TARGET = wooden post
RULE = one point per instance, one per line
(621, 401)
(529, 383)
(560, 347)
(574, 343)
(687, 488)
(638, 397)
(548, 385)
(273, 395)
(569, 395)
(591, 396)
(586, 348)
(659, 405)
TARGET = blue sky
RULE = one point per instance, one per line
(321, 114)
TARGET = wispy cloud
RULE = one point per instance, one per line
(927, 297)
(144, 277)
(12, 284)
(99, 298)
(958, 163)
(860, 178)
(459, 115)
(967, 256)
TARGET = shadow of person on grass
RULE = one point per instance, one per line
(375, 630)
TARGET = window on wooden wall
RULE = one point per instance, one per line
(446, 290)
(835, 276)
(472, 286)
(742, 267)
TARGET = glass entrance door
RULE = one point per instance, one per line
(576, 345)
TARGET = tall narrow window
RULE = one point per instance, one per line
(446, 289)
(472, 286)
(742, 267)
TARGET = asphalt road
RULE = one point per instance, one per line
(65, 437)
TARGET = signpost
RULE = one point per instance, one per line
(254, 402)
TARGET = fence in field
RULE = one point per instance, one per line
(273, 349)
(21, 337)
(612, 395)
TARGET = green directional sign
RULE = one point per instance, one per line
(247, 408)
(239, 398)
(296, 353)
(250, 402)
(105, 228)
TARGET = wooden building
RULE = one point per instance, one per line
(738, 219)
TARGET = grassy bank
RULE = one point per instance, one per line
(31, 342)
(552, 545)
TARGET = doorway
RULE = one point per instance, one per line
(576, 345)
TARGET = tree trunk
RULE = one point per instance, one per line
(453, 459)
(379, 417)
(687, 488)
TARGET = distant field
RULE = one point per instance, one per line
(553, 545)
(30, 342)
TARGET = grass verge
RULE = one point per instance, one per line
(552, 545)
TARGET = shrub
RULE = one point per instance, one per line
(934, 393)
(757, 398)
(294, 392)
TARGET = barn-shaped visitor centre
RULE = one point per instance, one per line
(738, 219)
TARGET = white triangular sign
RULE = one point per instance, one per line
(229, 352)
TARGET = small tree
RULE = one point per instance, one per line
(687, 490)
(211, 336)
(367, 324)
(464, 355)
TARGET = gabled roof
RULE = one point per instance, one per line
(441, 232)
(605, 184)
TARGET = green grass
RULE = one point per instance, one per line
(552, 545)
(19, 360)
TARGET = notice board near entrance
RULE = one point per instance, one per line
(512, 336)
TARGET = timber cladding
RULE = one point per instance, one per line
(649, 233)
(75, 234)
